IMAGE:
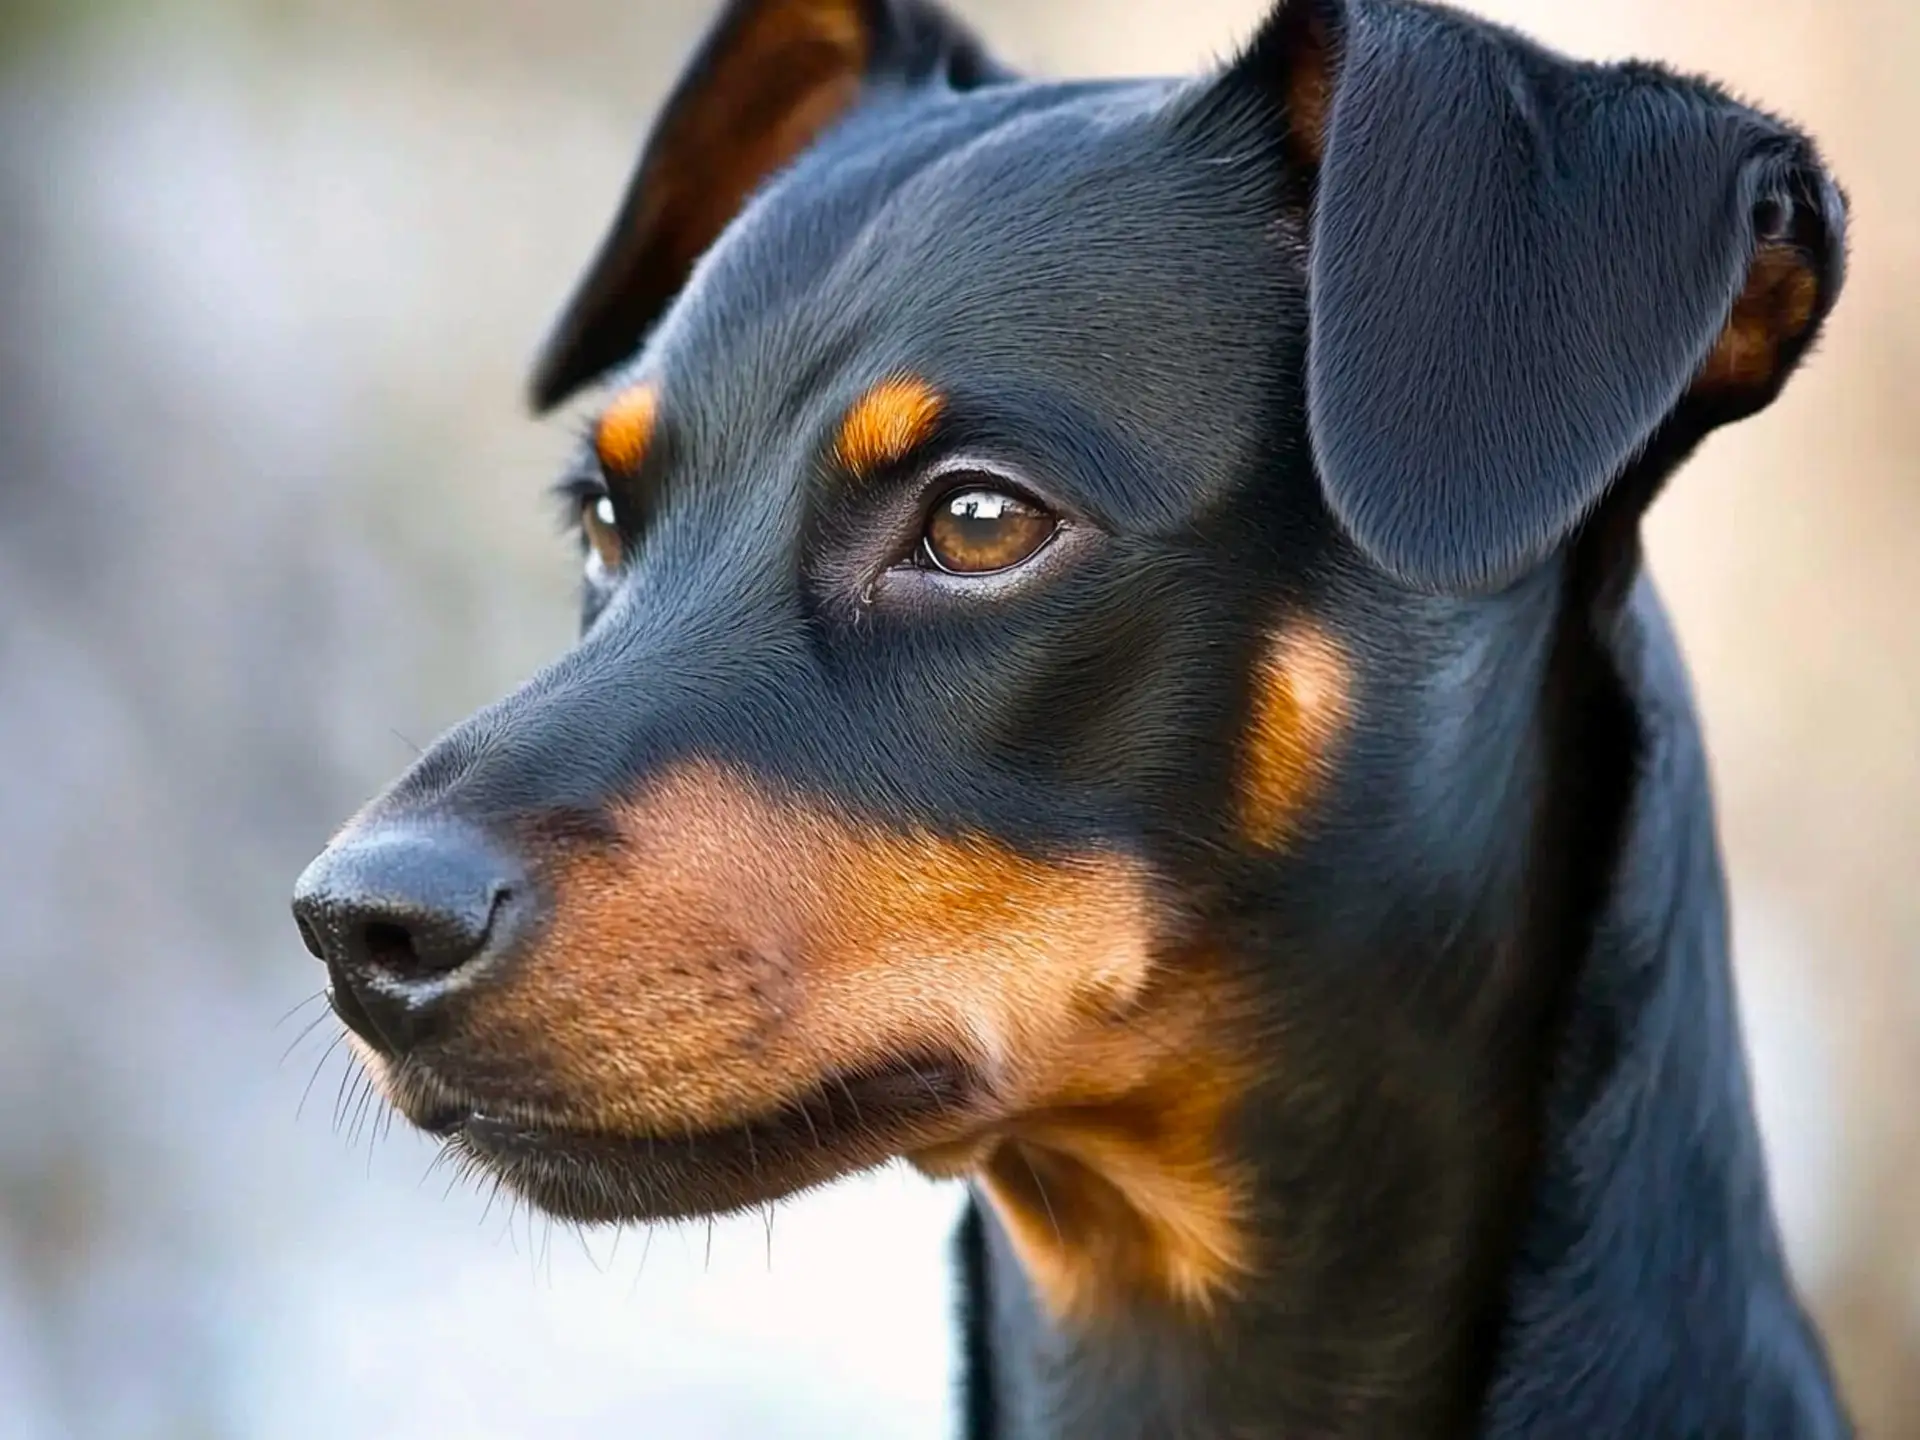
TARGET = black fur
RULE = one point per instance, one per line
(1517, 265)
(1419, 392)
(639, 270)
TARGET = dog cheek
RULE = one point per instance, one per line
(965, 947)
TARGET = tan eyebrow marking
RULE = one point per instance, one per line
(1300, 703)
(625, 428)
(886, 423)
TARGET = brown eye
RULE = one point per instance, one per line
(602, 528)
(979, 531)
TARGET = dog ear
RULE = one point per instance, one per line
(769, 78)
(1520, 268)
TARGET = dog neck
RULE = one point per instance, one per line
(1562, 1233)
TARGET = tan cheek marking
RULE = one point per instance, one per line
(737, 947)
(1301, 691)
(1123, 1190)
(625, 429)
(886, 423)
(1774, 309)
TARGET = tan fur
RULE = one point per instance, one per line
(886, 423)
(1300, 699)
(794, 68)
(1773, 310)
(625, 429)
(1309, 91)
(736, 946)
(1119, 1190)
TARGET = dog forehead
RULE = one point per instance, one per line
(1070, 240)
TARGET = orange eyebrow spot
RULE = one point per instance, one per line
(625, 428)
(887, 422)
(1299, 709)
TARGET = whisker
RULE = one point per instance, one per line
(360, 1113)
(311, 1026)
(319, 994)
(1045, 1200)
(925, 1083)
(343, 1095)
(319, 1065)
(806, 1114)
(436, 1162)
(858, 1120)
(580, 1234)
(357, 1104)
(493, 1194)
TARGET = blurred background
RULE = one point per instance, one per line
(271, 513)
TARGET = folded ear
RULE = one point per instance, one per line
(1520, 267)
(770, 77)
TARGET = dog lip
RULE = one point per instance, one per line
(446, 1121)
(846, 1122)
(345, 1004)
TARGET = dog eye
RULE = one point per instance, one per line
(977, 531)
(601, 526)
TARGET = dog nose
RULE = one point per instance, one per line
(402, 915)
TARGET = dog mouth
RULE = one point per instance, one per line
(849, 1121)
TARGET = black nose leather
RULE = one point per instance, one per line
(401, 914)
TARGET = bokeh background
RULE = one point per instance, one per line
(270, 513)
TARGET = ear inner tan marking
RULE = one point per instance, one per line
(791, 72)
(625, 429)
(1300, 698)
(886, 423)
(1773, 310)
(1309, 93)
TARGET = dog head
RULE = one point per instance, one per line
(1063, 562)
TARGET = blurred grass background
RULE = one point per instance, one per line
(270, 512)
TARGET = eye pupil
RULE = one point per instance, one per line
(978, 530)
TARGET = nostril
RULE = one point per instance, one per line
(389, 947)
(411, 942)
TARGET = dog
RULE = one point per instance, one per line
(1116, 665)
